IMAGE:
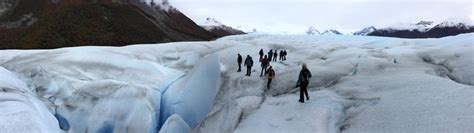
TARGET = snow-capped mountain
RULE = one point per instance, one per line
(458, 25)
(331, 32)
(312, 31)
(211, 23)
(420, 26)
(62, 23)
(220, 29)
(424, 23)
(365, 31)
(422, 29)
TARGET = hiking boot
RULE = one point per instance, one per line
(301, 101)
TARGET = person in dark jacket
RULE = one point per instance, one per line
(281, 55)
(275, 56)
(239, 61)
(261, 55)
(248, 63)
(270, 54)
(284, 54)
(271, 75)
(264, 65)
(303, 82)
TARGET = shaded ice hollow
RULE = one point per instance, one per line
(359, 84)
(192, 97)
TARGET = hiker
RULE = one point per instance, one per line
(271, 75)
(284, 55)
(281, 55)
(270, 54)
(264, 65)
(261, 55)
(275, 56)
(249, 64)
(239, 61)
(303, 82)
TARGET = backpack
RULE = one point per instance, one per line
(305, 76)
(271, 73)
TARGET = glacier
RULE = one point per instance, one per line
(192, 97)
(21, 111)
(359, 84)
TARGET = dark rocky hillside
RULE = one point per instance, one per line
(33, 24)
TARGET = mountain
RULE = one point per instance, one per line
(424, 24)
(65, 23)
(312, 31)
(219, 29)
(331, 32)
(365, 31)
(422, 29)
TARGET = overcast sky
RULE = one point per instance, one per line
(295, 16)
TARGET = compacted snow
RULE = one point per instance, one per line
(359, 84)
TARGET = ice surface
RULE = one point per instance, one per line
(96, 88)
(20, 109)
(284, 114)
(192, 97)
(371, 84)
(175, 124)
(359, 84)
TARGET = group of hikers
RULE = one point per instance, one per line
(303, 78)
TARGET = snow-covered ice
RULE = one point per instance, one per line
(359, 84)
(283, 114)
(20, 109)
(175, 124)
(192, 97)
